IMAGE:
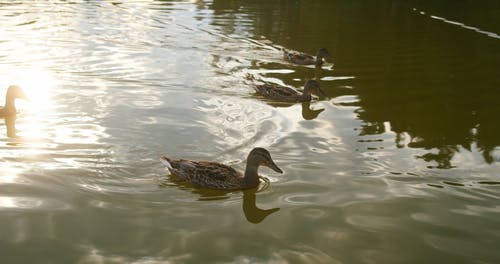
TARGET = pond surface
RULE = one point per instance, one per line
(398, 163)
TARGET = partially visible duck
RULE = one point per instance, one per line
(287, 94)
(13, 92)
(306, 59)
(214, 175)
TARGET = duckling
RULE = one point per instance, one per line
(214, 175)
(306, 59)
(287, 94)
(13, 92)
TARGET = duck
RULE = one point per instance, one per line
(213, 175)
(287, 94)
(306, 59)
(13, 92)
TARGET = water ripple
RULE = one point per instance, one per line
(31, 203)
(114, 85)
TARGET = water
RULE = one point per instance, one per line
(399, 163)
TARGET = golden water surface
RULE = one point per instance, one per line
(398, 163)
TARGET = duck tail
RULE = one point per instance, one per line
(166, 162)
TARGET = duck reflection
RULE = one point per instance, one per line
(10, 123)
(252, 213)
(308, 113)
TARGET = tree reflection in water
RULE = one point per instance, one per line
(433, 84)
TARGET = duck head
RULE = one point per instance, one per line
(15, 92)
(322, 55)
(262, 157)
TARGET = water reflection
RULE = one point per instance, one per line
(412, 79)
(116, 84)
(10, 124)
(432, 118)
(252, 212)
(30, 203)
(309, 113)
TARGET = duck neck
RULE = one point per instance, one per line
(305, 97)
(9, 103)
(251, 177)
(319, 60)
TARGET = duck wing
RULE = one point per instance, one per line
(214, 170)
(276, 91)
(298, 57)
(206, 174)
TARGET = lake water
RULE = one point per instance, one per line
(398, 163)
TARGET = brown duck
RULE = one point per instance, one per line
(13, 92)
(306, 59)
(287, 94)
(214, 175)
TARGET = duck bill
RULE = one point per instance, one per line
(274, 167)
(24, 97)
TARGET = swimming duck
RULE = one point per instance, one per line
(306, 59)
(287, 94)
(13, 92)
(214, 175)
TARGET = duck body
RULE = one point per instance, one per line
(215, 175)
(13, 92)
(281, 93)
(5, 111)
(306, 59)
(211, 175)
(287, 94)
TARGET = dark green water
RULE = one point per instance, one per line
(399, 163)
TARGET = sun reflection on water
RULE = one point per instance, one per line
(38, 85)
(45, 130)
